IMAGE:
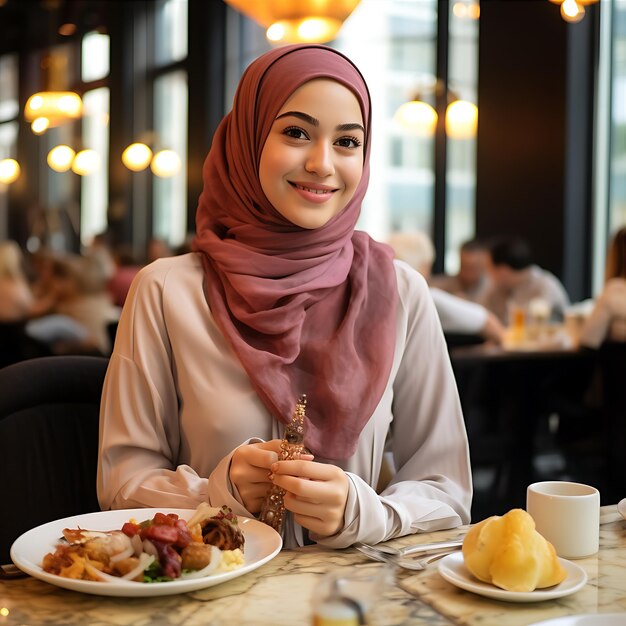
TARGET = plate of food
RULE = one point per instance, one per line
(453, 569)
(145, 552)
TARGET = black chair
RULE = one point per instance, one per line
(49, 411)
(612, 366)
(16, 345)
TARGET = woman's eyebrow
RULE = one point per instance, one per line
(305, 117)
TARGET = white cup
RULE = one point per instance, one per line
(567, 515)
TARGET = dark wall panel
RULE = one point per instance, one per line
(521, 133)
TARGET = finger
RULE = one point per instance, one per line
(254, 492)
(259, 457)
(305, 469)
(317, 526)
(302, 507)
(272, 444)
(248, 474)
(316, 492)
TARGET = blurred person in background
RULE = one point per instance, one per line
(472, 280)
(16, 298)
(75, 308)
(516, 280)
(126, 268)
(607, 320)
(157, 249)
(457, 315)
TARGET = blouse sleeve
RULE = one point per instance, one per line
(139, 426)
(432, 487)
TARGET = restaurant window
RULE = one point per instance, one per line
(610, 166)
(171, 31)
(94, 185)
(399, 61)
(9, 106)
(95, 56)
(9, 111)
(461, 144)
(170, 125)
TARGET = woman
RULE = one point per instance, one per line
(608, 317)
(284, 297)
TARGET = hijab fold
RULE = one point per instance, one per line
(305, 311)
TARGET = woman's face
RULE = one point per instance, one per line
(312, 160)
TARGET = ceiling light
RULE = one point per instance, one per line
(137, 157)
(85, 162)
(9, 171)
(297, 21)
(165, 163)
(56, 106)
(60, 158)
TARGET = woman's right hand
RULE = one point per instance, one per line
(250, 469)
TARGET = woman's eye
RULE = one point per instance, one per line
(295, 133)
(348, 142)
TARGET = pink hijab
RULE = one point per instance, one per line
(306, 311)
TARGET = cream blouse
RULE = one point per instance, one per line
(176, 403)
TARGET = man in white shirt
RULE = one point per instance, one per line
(457, 315)
(471, 281)
(515, 280)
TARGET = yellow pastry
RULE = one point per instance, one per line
(509, 553)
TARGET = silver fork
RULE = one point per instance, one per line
(400, 560)
(436, 546)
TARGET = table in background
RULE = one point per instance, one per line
(505, 396)
(279, 593)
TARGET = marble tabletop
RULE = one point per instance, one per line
(281, 591)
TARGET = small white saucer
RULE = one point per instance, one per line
(453, 569)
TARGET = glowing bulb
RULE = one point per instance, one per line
(57, 106)
(165, 163)
(36, 102)
(459, 9)
(85, 162)
(9, 171)
(473, 11)
(60, 158)
(461, 120)
(276, 32)
(40, 125)
(137, 157)
(318, 29)
(70, 104)
(571, 11)
(417, 117)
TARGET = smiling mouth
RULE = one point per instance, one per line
(319, 192)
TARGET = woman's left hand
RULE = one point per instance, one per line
(316, 493)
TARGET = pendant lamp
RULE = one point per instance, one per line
(297, 21)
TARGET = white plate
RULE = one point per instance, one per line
(621, 507)
(453, 569)
(262, 544)
(601, 619)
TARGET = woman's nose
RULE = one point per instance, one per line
(320, 159)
